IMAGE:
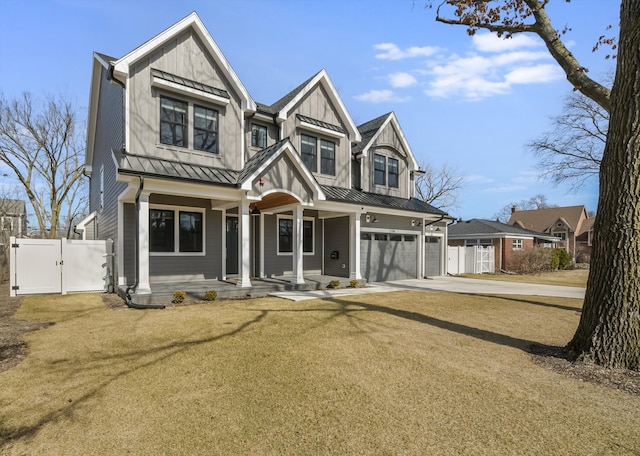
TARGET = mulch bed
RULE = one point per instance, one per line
(13, 349)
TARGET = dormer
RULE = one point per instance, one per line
(384, 159)
(183, 101)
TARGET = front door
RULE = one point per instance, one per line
(232, 245)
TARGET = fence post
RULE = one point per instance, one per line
(63, 257)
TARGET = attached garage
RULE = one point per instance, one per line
(388, 256)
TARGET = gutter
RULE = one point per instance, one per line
(134, 287)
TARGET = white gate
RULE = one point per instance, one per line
(59, 266)
(470, 260)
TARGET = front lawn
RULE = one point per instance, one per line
(570, 278)
(410, 373)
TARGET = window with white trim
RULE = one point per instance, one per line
(309, 153)
(173, 122)
(205, 129)
(285, 235)
(517, 244)
(258, 136)
(392, 163)
(327, 157)
(379, 169)
(176, 230)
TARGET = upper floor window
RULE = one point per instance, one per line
(309, 152)
(517, 244)
(327, 157)
(393, 172)
(205, 129)
(258, 136)
(379, 169)
(173, 122)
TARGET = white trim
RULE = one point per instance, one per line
(122, 66)
(173, 87)
(389, 231)
(244, 255)
(176, 226)
(323, 78)
(291, 217)
(403, 140)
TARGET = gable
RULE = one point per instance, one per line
(281, 176)
(388, 134)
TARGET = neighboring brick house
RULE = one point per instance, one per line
(506, 239)
(566, 223)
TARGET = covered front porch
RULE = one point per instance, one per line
(162, 292)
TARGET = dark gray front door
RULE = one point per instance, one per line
(232, 245)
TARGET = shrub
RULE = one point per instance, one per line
(334, 284)
(531, 261)
(560, 258)
(354, 284)
(210, 295)
(179, 297)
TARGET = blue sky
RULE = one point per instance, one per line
(471, 102)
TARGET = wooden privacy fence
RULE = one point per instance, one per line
(59, 266)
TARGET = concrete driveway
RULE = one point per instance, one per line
(450, 284)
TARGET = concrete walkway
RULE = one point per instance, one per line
(450, 284)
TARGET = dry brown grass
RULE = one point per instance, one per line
(390, 373)
(570, 278)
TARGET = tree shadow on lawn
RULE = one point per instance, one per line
(164, 351)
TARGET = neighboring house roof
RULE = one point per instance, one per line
(12, 207)
(372, 129)
(491, 229)
(346, 195)
(543, 219)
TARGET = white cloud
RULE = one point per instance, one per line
(402, 80)
(489, 42)
(391, 51)
(380, 96)
(534, 74)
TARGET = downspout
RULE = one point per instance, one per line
(134, 287)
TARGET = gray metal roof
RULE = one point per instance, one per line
(350, 195)
(189, 83)
(480, 227)
(159, 167)
(319, 123)
(258, 159)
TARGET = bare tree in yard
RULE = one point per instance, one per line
(43, 147)
(439, 187)
(572, 151)
(538, 201)
(609, 328)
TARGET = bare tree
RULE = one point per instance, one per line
(609, 328)
(538, 201)
(43, 147)
(439, 187)
(572, 151)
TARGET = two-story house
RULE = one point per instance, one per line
(194, 180)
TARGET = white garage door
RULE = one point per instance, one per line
(388, 256)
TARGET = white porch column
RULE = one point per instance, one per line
(224, 244)
(244, 249)
(354, 246)
(298, 254)
(261, 270)
(143, 244)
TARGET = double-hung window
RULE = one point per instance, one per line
(327, 157)
(258, 136)
(393, 172)
(285, 235)
(173, 122)
(205, 129)
(517, 244)
(308, 150)
(379, 169)
(176, 231)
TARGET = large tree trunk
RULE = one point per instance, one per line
(609, 329)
